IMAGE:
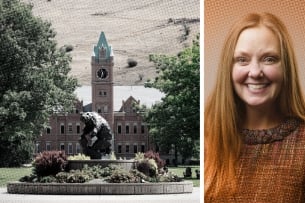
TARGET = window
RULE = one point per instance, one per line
(119, 149)
(62, 146)
(135, 128)
(70, 148)
(78, 128)
(48, 146)
(106, 109)
(135, 148)
(102, 109)
(127, 148)
(102, 93)
(119, 129)
(37, 148)
(143, 148)
(77, 147)
(142, 129)
(76, 111)
(70, 129)
(48, 130)
(127, 128)
(62, 128)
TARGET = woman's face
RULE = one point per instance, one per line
(257, 73)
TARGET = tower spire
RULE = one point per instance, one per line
(102, 49)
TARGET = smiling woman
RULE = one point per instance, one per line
(254, 118)
(258, 76)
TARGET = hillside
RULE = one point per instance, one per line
(135, 29)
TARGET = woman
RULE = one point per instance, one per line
(254, 129)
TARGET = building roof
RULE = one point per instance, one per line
(102, 43)
(147, 96)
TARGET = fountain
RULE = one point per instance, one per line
(96, 142)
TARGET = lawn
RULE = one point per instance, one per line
(180, 169)
(14, 174)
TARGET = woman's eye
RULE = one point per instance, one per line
(270, 59)
(241, 60)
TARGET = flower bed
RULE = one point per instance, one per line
(54, 174)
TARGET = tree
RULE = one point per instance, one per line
(175, 121)
(33, 80)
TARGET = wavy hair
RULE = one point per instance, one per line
(224, 111)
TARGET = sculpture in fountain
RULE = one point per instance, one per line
(96, 137)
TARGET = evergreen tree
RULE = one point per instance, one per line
(34, 80)
(175, 122)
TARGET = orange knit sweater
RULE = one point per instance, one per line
(272, 165)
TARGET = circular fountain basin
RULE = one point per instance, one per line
(100, 188)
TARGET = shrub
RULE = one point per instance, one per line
(49, 163)
(139, 156)
(66, 48)
(155, 155)
(76, 176)
(122, 176)
(79, 157)
(93, 171)
(62, 177)
(141, 176)
(132, 63)
(47, 179)
(98, 172)
(30, 178)
(107, 171)
(169, 177)
(148, 167)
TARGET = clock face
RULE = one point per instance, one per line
(102, 73)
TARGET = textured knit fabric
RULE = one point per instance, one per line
(272, 165)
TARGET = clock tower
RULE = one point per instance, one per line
(102, 79)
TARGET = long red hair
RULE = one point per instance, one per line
(224, 111)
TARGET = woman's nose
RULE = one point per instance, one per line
(255, 70)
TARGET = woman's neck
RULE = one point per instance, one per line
(258, 119)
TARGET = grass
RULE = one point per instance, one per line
(180, 169)
(14, 174)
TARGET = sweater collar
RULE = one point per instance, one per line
(278, 133)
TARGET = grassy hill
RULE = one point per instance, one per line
(135, 29)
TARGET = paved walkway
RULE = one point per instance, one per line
(193, 197)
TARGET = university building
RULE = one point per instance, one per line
(117, 104)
